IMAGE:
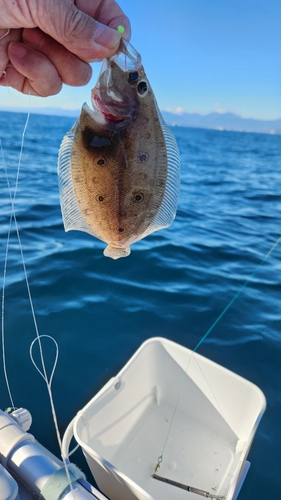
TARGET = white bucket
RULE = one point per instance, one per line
(169, 400)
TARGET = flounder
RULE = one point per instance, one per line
(119, 166)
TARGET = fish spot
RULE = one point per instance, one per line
(142, 88)
(142, 157)
(115, 175)
(149, 215)
(101, 162)
(100, 199)
(121, 229)
(161, 183)
(133, 77)
(142, 176)
(138, 197)
(147, 136)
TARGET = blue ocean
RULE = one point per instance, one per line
(175, 284)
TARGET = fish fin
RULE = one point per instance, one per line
(71, 214)
(115, 252)
(168, 207)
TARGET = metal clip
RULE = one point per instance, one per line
(157, 466)
(186, 487)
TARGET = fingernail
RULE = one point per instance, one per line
(106, 36)
(17, 49)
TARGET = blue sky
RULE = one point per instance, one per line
(200, 56)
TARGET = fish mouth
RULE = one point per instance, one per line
(105, 110)
(106, 100)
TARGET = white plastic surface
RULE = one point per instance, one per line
(8, 486)
(23, 418)
(125, 427)
(241, 479)
(11, 435)
(35, 467)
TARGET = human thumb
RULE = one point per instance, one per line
(78, 32)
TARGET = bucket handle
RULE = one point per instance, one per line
(66, 440)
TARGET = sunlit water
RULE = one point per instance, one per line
(174, 284)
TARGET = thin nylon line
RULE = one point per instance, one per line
(237, 295)
(3, 301)
(38, 337)
(12, 216)
(160, 458)
(30, 298)
(3, 318)
(12, 199)
(175, 410)
(5, 34)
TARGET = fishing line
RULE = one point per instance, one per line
(160, 458)
(7, 32)
(3, 73)
(38, 337)
(237, 294)
(12, 216)
(3, 298)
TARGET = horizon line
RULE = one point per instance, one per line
(73, 112)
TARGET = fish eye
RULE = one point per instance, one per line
(133, 77)
(142, 88)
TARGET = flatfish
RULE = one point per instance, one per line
(119, 166)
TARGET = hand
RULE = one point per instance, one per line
(45, 43)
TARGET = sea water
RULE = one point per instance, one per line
(174, 284)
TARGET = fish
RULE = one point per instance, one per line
(119, 165)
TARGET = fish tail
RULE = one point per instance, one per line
(115, 252)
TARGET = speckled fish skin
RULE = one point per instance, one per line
(118, 159)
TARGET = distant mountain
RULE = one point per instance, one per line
(223, 121)
(217, 121)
